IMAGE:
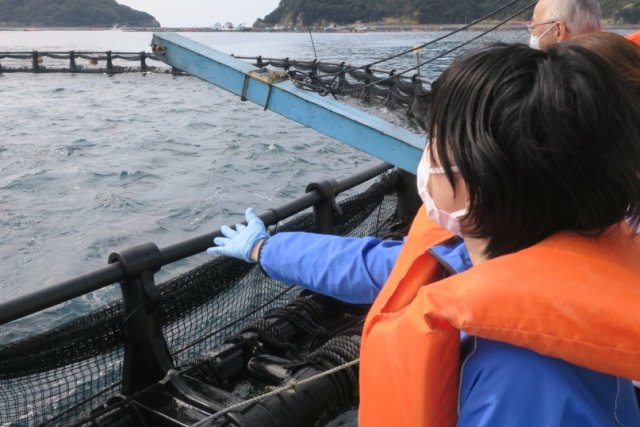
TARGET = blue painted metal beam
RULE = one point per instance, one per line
(346, 124)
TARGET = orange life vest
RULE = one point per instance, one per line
(569, 297)
(634, 37)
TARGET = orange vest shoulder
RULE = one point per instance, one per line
(562, 297)
(380, 370)
(634, 37)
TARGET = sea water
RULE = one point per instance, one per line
(90, 164)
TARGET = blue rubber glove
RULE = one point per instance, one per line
(239, 242)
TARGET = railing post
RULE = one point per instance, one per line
(143, 62)
(392, 87)
(72, 62)
(342, 77)
(418, 107)
(109, 63)
(325, 212)
(146, 356)
(367, 81)
(35, 65)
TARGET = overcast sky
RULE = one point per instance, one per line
(203, 13)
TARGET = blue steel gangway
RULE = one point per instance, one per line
(274, 91)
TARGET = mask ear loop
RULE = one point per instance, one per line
(547, 30)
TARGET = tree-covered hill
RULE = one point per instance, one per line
(72, 13)
(322, 12)
(622, 11)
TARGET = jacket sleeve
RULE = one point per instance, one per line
(503, 385)
(351, 269)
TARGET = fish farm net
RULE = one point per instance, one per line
(70, 373)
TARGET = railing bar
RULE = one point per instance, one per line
(111, 274)
(362, 177)
(196, 245)
(59, 293)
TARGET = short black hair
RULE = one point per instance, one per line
(545, 141)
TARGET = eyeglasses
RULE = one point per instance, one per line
(531, 27)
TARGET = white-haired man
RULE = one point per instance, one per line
(555, 21)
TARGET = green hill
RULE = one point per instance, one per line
(621, 12)
(323, 12)
(71, 13)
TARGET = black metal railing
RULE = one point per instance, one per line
(322, 196)
(132, 351)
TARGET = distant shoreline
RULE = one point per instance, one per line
(346, 29)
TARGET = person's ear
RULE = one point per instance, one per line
(562, 32)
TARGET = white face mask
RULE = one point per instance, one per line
(534, 41)
(448, 220)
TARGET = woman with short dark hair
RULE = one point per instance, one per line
(515, 299)
(540, 150)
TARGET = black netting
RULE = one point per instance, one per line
(401, 93)
(60, 376)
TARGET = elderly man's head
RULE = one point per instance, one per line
(558, 20)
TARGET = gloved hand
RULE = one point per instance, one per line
(239, 242)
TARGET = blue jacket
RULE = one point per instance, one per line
(501, 385)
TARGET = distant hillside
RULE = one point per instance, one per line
(324, 12)
(621, 11)
(71, 13)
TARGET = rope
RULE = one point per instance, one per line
(290, 386)
(484, 33)
(315, 54)
(170, 375)
(463, 28)
(247, 316)
(429, 43)
(339, 68)
(317, 84)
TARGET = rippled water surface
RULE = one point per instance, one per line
(90, 164)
